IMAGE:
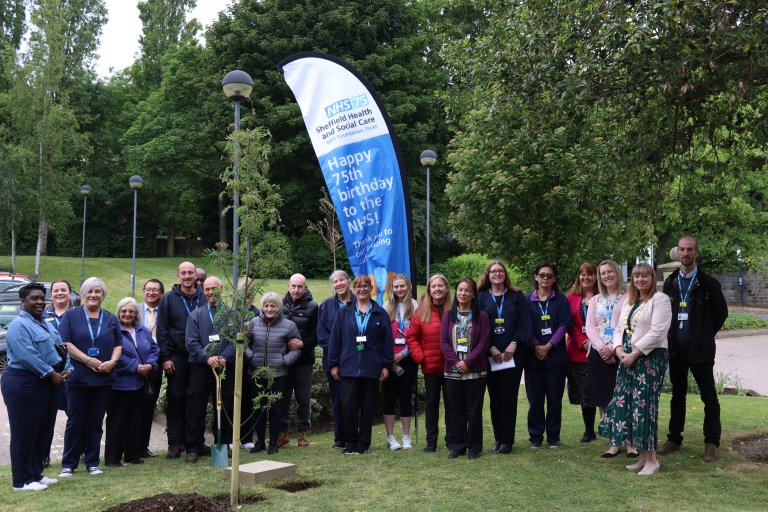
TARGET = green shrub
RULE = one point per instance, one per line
(472, 265)
(739, 320)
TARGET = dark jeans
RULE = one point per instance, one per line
(124, 436)
(705, 379)
(176, 395)
(275, 411)
(202, 386)
(148, 408)
(433, 386)
(357, 402)
(338, 418)
(400, 389)
(503, 388)
(464, 417)
(31, 404)
(545, 384)
(299, 383)
(86, 406)
(247, 417)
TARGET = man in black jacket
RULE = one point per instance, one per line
(698, 312)
(172, 315)
(299, 307)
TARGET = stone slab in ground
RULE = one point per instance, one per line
(263, 471)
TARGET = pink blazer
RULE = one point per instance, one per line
(650, 324)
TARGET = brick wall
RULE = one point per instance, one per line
(755, 288)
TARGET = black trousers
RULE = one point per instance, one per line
(148, 408)
(338, 417)
(503, 388)
(124, 436)
(545, 384)
(433, 386)
(247, 417)
(274, 411)
(399, 389)
(703, 373)
(202, 388)
(176, 394)
(31, 404)
(357, 402)
(464, 417)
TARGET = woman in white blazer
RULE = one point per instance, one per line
(640, 344)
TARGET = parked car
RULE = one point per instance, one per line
(9, 311)
(10, 276)
(11, 294)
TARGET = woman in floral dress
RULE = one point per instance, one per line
(640, 344)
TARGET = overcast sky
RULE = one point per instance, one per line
(120, 35)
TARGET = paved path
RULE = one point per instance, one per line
(742, 357)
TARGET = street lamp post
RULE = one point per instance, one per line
(741, 275)
(136, 182)
(237, 87)
(428, 159)
(84, 190)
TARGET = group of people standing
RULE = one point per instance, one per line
(611, 345)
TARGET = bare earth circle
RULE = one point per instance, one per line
(191, 502)
(753, 446)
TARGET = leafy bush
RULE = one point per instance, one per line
(472, 265)
(739, 320)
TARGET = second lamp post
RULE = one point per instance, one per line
(136, 182)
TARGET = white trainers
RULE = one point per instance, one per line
(393, 444)
(94, 470)
(32, 486)
(66, 472)
(246, 446)
(407, 443)
(48, 481)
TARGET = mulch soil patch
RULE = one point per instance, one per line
(190, 502)
(297, 485)
(754, 446)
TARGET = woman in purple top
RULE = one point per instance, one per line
(94, 340)
(545, 372)
(464, 338)
(124, 413)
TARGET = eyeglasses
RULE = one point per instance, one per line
(363, 287)
(152, 290)
(497, 271)
(543, 275)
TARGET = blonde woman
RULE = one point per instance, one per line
(640, 345)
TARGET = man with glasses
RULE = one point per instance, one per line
(153, 292)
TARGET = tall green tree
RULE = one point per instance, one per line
(577, 122)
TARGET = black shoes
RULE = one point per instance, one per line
(504, 449)
(339, 444)
(588, 437)
(456, 454)
(473, 455)
(258, 446)
(535, 445)
(430, 448)
(113, 464)
(495, 447)
(149, 454)
(137, 460)
(272, 448)
(174, 451)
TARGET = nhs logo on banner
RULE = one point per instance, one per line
(346, 104)
(360, 160)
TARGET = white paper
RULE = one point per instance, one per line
(501, 366)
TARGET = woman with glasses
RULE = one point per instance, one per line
(640, 343)
(510, 323)
(582, 290)
(399, 387)
(424, 345)
(545, 372)
(360, 354)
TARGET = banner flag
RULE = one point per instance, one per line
(360, 159)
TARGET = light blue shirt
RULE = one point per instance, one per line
(31, 345)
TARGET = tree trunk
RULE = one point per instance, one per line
(222, 222)
(170, 247)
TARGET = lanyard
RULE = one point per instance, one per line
(610, 304)
(583, 310)
(197, 303)
(362, 320)
(499, 307)
(544, 310)
(684, 298)
(463, 325)
(210, 315)
(90, 329)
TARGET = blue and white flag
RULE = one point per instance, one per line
(360, 159)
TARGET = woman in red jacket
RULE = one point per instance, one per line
(583, 289)
(423, 341)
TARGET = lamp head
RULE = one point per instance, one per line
(428, 158)
(237, 85)
(85, 190)
(136, 182)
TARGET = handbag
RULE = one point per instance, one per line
(62, 352)
(149, 390)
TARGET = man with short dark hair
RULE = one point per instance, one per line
(698, 312)
(173, 312)
(153, 293)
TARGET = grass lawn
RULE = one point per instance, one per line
(573, 477)
(116, 273)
